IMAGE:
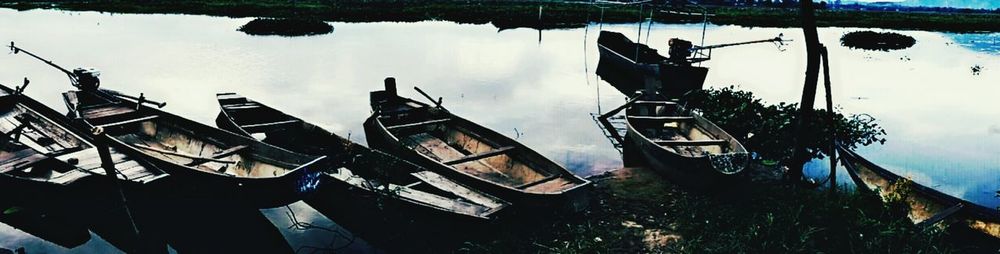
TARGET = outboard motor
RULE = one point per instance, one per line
(680, 50)
(87, 78)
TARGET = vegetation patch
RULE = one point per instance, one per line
(870, 40)
(635, 210)
(766, 129)
(286, 27)
(516, 13)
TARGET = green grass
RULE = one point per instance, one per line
(515, 13)
(756, 218)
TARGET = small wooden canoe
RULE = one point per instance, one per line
(472, 154)
(680, 144)
(407, 189)
(218, 163)
(364, 172)
(928, 207)
(42, 156)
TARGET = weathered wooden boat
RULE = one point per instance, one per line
(928, 207)
(671, 76)
(43, 157)
(406, 189)
(471, 154)
(215, 162)
(678, 143)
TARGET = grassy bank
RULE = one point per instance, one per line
(514, 13)
(637, 211)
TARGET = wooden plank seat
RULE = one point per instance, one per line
(128, 121)
(411, 125)
(439, 150)
(478, 156)
(264, 127)
(661, 118)
(445, 184)
(940, 216)
(405, 192)
(242, 106)
(703, 142)
(21, 160)
(540, 181)
(655, 103)
(217, 155)
(94, 113)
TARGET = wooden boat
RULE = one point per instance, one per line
(680, 144)
(670, 76)
(217, 163)
(928, 207)
(364, 172)
(469, 153)
(42, 157)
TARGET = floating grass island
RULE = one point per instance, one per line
(870, 40)
(286, 27)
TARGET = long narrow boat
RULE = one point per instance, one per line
(366, 176)
(680, 144)
(672, 77)
(928, 207)
(42, 156)
(469, 153)
(215, 162)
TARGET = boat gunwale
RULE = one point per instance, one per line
(484, 216)
(733, 144)
(580, 182)
(971, 210)
(184, 124)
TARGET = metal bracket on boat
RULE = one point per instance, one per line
(20, 90)
(437, 104)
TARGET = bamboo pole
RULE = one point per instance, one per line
(799, 156)
(833, 124)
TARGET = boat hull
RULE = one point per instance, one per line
(708, 171)
(572, 200)
(310, 139)
(924, 202)
(260, 192)
(651, 72)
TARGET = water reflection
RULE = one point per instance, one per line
(983, 42)
(939, 116)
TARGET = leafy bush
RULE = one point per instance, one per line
(877, 41)
(286, 27)
(772, 126)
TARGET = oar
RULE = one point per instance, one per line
(436, 103)
(607, 124)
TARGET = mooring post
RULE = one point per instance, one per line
(808, 90)
(108, 164)
(833, 119)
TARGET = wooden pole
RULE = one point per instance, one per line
(108, 165)
(799, 155)
(833, 120)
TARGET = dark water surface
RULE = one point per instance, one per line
(943, 122)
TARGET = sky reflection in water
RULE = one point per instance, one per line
(943, 122)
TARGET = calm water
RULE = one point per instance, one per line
(975, 4)
(943, 122)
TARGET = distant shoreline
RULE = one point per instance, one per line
(506, 14)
